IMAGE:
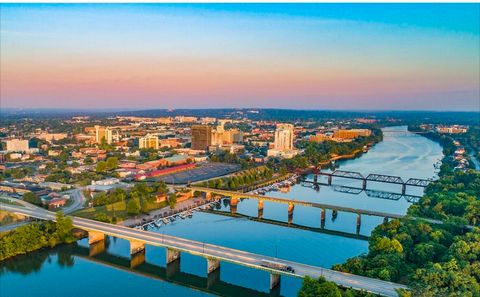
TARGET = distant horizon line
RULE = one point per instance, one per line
(43, 109)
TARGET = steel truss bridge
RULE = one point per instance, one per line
(372, 177)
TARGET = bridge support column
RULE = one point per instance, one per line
(329, 180)
(212, 265)
(172, 255)
(96, 241)
(364, 185)
(94, 236)
(137, 259)
(233, 205)
(213, 278)
(385, 220)
(260, 209)
(334, 214)
(322, 218)
(136, 247)
(173, 268)
(359, 222)
(291, 207)
(96, 248)
(274, 280)
(315, 178)
(404, 189)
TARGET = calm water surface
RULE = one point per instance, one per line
(70, 269)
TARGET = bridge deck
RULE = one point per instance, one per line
(222, 253)
(297, 202)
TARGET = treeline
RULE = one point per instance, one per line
(434, 260)
(244, 178)
(35, 236)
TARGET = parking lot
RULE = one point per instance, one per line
(202, 172)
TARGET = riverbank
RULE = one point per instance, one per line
(37, 235)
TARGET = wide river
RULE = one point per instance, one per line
(69, 271)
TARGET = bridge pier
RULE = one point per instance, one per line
(315, 178)
(274, 280)
(233, 205)
(364, 185)
(385, 220)
(404, 189)
(334, 214)
(359, 223)
(172, 255)
(94, 237)
(212, 265)
(213, 278)
(96, 241)
(322, 218)
(260, 209)
(96, 248)
(137, 259)
(173, 268)
(136, 247)
(291, 207)
(329, 180)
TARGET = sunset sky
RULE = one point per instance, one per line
(315, 56)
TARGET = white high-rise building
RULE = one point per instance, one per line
(283, 144)
(284, 137)
(103, 133)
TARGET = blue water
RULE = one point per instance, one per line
(401, 154)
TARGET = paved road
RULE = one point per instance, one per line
(222, 253)
(12, 226)
(78, 200)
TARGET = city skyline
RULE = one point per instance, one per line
(315, 56)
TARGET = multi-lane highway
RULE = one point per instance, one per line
(218, 252)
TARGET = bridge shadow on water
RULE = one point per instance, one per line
(66, 254)
(172, 274)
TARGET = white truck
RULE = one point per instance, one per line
(277, 266)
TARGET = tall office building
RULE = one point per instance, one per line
(201, 137)
(283, 144)
(284, 137)
(17, 145)
(103, 133)
(149, 141)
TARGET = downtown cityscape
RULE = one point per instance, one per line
(240, 149)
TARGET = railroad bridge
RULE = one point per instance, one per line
(372, 177)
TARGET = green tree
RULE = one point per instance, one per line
(112, 163)
(101, 167)
(133, 207)
(31, 197)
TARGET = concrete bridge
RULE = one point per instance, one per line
(212, 253)
(373, 177)
(236, 196)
